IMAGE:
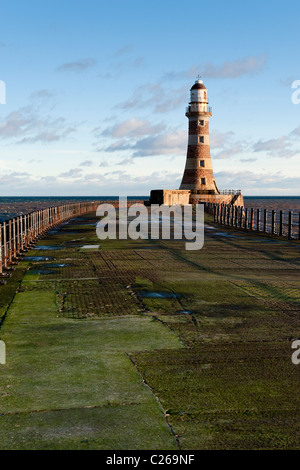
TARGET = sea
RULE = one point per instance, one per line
(13, 206)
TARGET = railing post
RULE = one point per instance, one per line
(1, 251)
(14, 238)
(21, 234)
(18, 235)
(251, 219)
(246, 219)
(236, 216)
(273, 222)
(265, 221)
(290, 225)
(4, 246)
(9, 242)
(280, 223)
(25, 230)
(257, 219)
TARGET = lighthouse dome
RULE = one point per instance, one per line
(198, 85)
(198, 93)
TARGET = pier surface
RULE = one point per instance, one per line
(143, 345)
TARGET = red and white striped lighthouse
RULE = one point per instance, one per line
(198, 174)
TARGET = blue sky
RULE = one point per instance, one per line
(96, 94)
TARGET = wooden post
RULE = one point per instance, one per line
(273, 222)
(238, 217)
(258, 220)
(246, 219)
(265, 221)
(9, 242)
(14, 238)
(25, 231)
(280, 223)
(18, 235)
(251, 219)
(4, 246)
(290, 225)
(1, 251)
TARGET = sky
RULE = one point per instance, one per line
(93, 95)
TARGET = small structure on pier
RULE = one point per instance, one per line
(198, 183)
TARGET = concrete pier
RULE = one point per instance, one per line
(139, 344)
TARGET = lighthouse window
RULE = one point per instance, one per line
(201, 139)
(201, 122)
(202, 163)
(203, 181)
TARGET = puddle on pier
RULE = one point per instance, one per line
(38, 258)
(158, 295)
(56, 265)
(48, 247)
(187, 312)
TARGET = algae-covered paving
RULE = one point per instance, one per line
(143, 345)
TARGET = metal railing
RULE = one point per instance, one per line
(232, 192)
(17, 235)
(273, 222)
(208, 110)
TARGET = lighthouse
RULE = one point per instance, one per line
(198, 184)
(198, 175)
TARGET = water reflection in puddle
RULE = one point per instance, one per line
(48, 247)
(158, 295)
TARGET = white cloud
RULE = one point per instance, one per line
(229, 69)
(123, 50)
(31, 124)
(227, 147)
(132, 128)
(72, 173)
(220, 139)
(169, 143)
(86, 163)
(77, 66)
(282, 147)
(248, 160)
(154, 96)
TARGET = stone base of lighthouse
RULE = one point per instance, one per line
(169, 197)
